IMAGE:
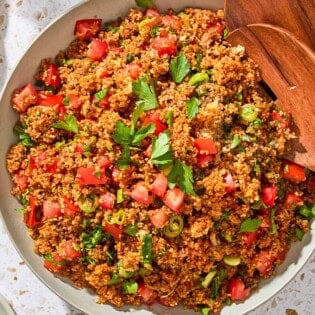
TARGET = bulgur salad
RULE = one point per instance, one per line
(150, 163)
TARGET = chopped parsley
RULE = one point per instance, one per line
(192, 106)
(69, 124)
(161, 150)
(146, 94)
(24, 137)
(250, 225)
(179, 68)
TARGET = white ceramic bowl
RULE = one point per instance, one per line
(57, 36)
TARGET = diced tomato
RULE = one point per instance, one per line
(264, 262)
(134, 70)
(174, 199)
(237, 290)
(74, 101)
(203, 160)
(52, 166)
(230, 185)
(158, 218)
(116, 175)
(293, 172)
(51, 209)
(97, 49)
(114, 230)
(269, 195)
(213, 22)
(20, 181)
(283, 122)
(52, 77)
(47, 99)
(107, 200)
(147, 294)
(69, 208)
(220, 29)
(282, 255)
(30, 217)
(141, 194)
(104, 162)
(205, 146)
(151, 12)
(55, 264)
(172, 21)
(250, 238)
(79, 148)
(159, 185)
(87, 28)
(154, 118)
(291, 199)
(165, 46)
(88, 176)
(24, 98)
(68, 251)
(266, 223)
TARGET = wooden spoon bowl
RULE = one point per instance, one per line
(288, 68)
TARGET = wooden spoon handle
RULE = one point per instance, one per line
(288, 68)
(297, 16)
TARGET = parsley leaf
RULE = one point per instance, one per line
(135, 116)
(179, 68)
(70, 124)
(250, 225)
(144, 3)
(142, 133)
(181, 174)
(146, 94)
(101, 94)
(161, 150)
(19, 131)
(124, 159)
(122, 134)
(192, 107)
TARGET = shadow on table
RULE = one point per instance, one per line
(3, 29)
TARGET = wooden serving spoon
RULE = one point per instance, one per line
(296, 16)
(288, 68)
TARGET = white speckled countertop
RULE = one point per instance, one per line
(20, 22)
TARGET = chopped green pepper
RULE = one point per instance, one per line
(174, 227)
(198, 78)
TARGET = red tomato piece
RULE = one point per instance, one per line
(283, 122)
(172, 21)
(141, 194)
(52, 167)
(159, 185)
(291, 199)
(151, 12)
(97, 50)
(250, 238)
(114, 230)
(24, 98)
(79, 148)
(74, 101)
(20, 181)
(230, 185)
(87, 28)
(154, 118)
(148, 295)
(51, 209)
(52, 77)
(30, 217)
(165, 46)
(54, 265)
(174, 199)
(205, 146)
(47, 99)
(134, 70)
(203, 160)
(104, 162)
(107, 200)
(264, 262)
(220, 29)
(282, 255)
(294, 172)
(68, 251)
(237, 290)
(269, 195)
(88, 176)
(158, 218)
(69, 208)
(116, 175)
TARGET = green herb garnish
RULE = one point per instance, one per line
(69, 124)
(146, 94)
(250, 225)
(161, 150)
(179, 68)
(24, 137)
(192, 106)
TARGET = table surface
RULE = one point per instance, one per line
(20, 22)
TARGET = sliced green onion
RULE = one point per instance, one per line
(205, 310)
(232, 260)
(236, 141)
(101, 94)
(174, 227)
(119, 196)
(131, 229)
(114, 279)
(146, 251)
(207, 280)
(130, 287)
(123, 273)
(299, 234)
(248, 113)
(198, 78)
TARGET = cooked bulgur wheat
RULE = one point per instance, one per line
(150, 164)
